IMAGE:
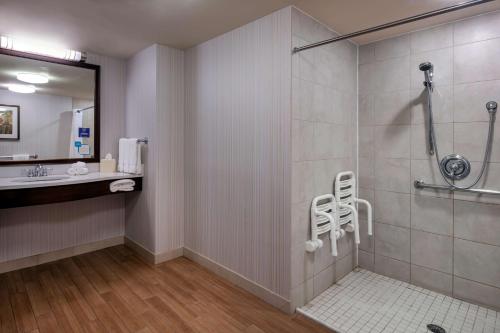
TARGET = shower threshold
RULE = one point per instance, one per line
(367, 302)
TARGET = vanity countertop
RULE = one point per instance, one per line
(11, 183)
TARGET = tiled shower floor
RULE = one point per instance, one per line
(367, 302)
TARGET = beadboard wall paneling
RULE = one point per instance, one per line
(170, 162)
(237, 150)
(155, 108)
(34, 230)
(113, 79)
(39, 229)
(140, 220)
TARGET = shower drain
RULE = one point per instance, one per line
(435, 328)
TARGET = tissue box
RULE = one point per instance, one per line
(108, 166)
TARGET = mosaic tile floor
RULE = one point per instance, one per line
(367, 302)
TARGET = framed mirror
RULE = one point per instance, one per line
(49, 110)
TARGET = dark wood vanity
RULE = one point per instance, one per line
(21, 197)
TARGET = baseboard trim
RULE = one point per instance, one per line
(149, 256)
(261, 292)
(43, 258)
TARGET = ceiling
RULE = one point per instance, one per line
(122, 27)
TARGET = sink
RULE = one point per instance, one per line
(39, 179)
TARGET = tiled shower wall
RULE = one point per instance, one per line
(442, 241)
(324, 102)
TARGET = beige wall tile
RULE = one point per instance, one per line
(392, 241)
(477, 222)
(477, 28)
(324, 280)
(366, 260)
(392, 175)
(431, 39)
(470, 100)
(477, 262)
(476, 292)
(431, 279)
(392, 268)
(392, 208)
(477, 61)
(432, 251)
(392, 48)
(432, 214)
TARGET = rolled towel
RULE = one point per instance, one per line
(122, 185)
(78, 169)
(71, 171)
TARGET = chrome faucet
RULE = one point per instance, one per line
(37, 171)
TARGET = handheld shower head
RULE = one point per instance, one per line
(428, 70)
(425, 66)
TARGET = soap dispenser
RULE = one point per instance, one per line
(108, 164)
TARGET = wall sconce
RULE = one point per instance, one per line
(10, 43)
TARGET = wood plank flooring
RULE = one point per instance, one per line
(112, 290)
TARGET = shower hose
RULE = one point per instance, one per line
(433, 148)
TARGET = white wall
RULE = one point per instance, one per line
(237, 150)
(39, 229)
(140, 116)
(45, 122)
(155, 106)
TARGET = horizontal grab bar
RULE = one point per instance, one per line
(419, 184)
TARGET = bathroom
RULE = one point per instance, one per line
(294, 166)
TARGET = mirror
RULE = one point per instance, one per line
(49, 110)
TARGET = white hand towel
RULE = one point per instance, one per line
(132, 156)
(122, 144)
(138, 168)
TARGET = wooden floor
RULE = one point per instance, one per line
(112, 290)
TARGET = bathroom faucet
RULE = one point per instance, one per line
(37, 171)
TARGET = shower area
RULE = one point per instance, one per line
(414, 118)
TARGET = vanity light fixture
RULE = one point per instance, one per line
(22, 88)
(10, 43)
(33, 78)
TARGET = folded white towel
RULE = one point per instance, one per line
(21, 157)
(122, 185)
(78, 169)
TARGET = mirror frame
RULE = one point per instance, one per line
(97, 108)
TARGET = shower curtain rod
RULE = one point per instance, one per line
(410, 19)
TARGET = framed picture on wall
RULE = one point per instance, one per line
(9, 122)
